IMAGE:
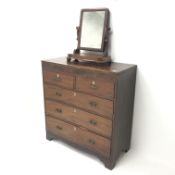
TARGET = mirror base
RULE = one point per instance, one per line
(88, 58)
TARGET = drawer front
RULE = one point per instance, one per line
(59, 78)
(90, 121)
(79, 136)
(87, 102)
(95, 86)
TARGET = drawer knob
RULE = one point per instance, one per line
(75, 94)
(93, 122)
(91, 141)
(75, 110)
(58, 94)
(58, 76)
(93, 103)
(59, 110)
(59, 127)
(93, 85)
(75, 128)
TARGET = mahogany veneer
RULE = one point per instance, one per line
(90, 106)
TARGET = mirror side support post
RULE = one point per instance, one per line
(106, 41)
(77, 50)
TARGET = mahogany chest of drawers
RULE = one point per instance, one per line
(90, 106)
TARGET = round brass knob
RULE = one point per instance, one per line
(93, 85)
(75, 110)
(93, 82)
(75, 128)
(58, 75)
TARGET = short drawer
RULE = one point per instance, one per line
(95, 86)
(58, 78)
(79, 136)
(77, 116)
(90, 103)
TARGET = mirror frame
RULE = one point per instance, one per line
(105, 30)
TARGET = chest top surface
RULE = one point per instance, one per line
(113, 67)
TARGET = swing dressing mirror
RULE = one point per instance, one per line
(92, 36)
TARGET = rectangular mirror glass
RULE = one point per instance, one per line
(92, 26)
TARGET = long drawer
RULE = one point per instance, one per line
(81, 137)
(98, 105)
(77, 116)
